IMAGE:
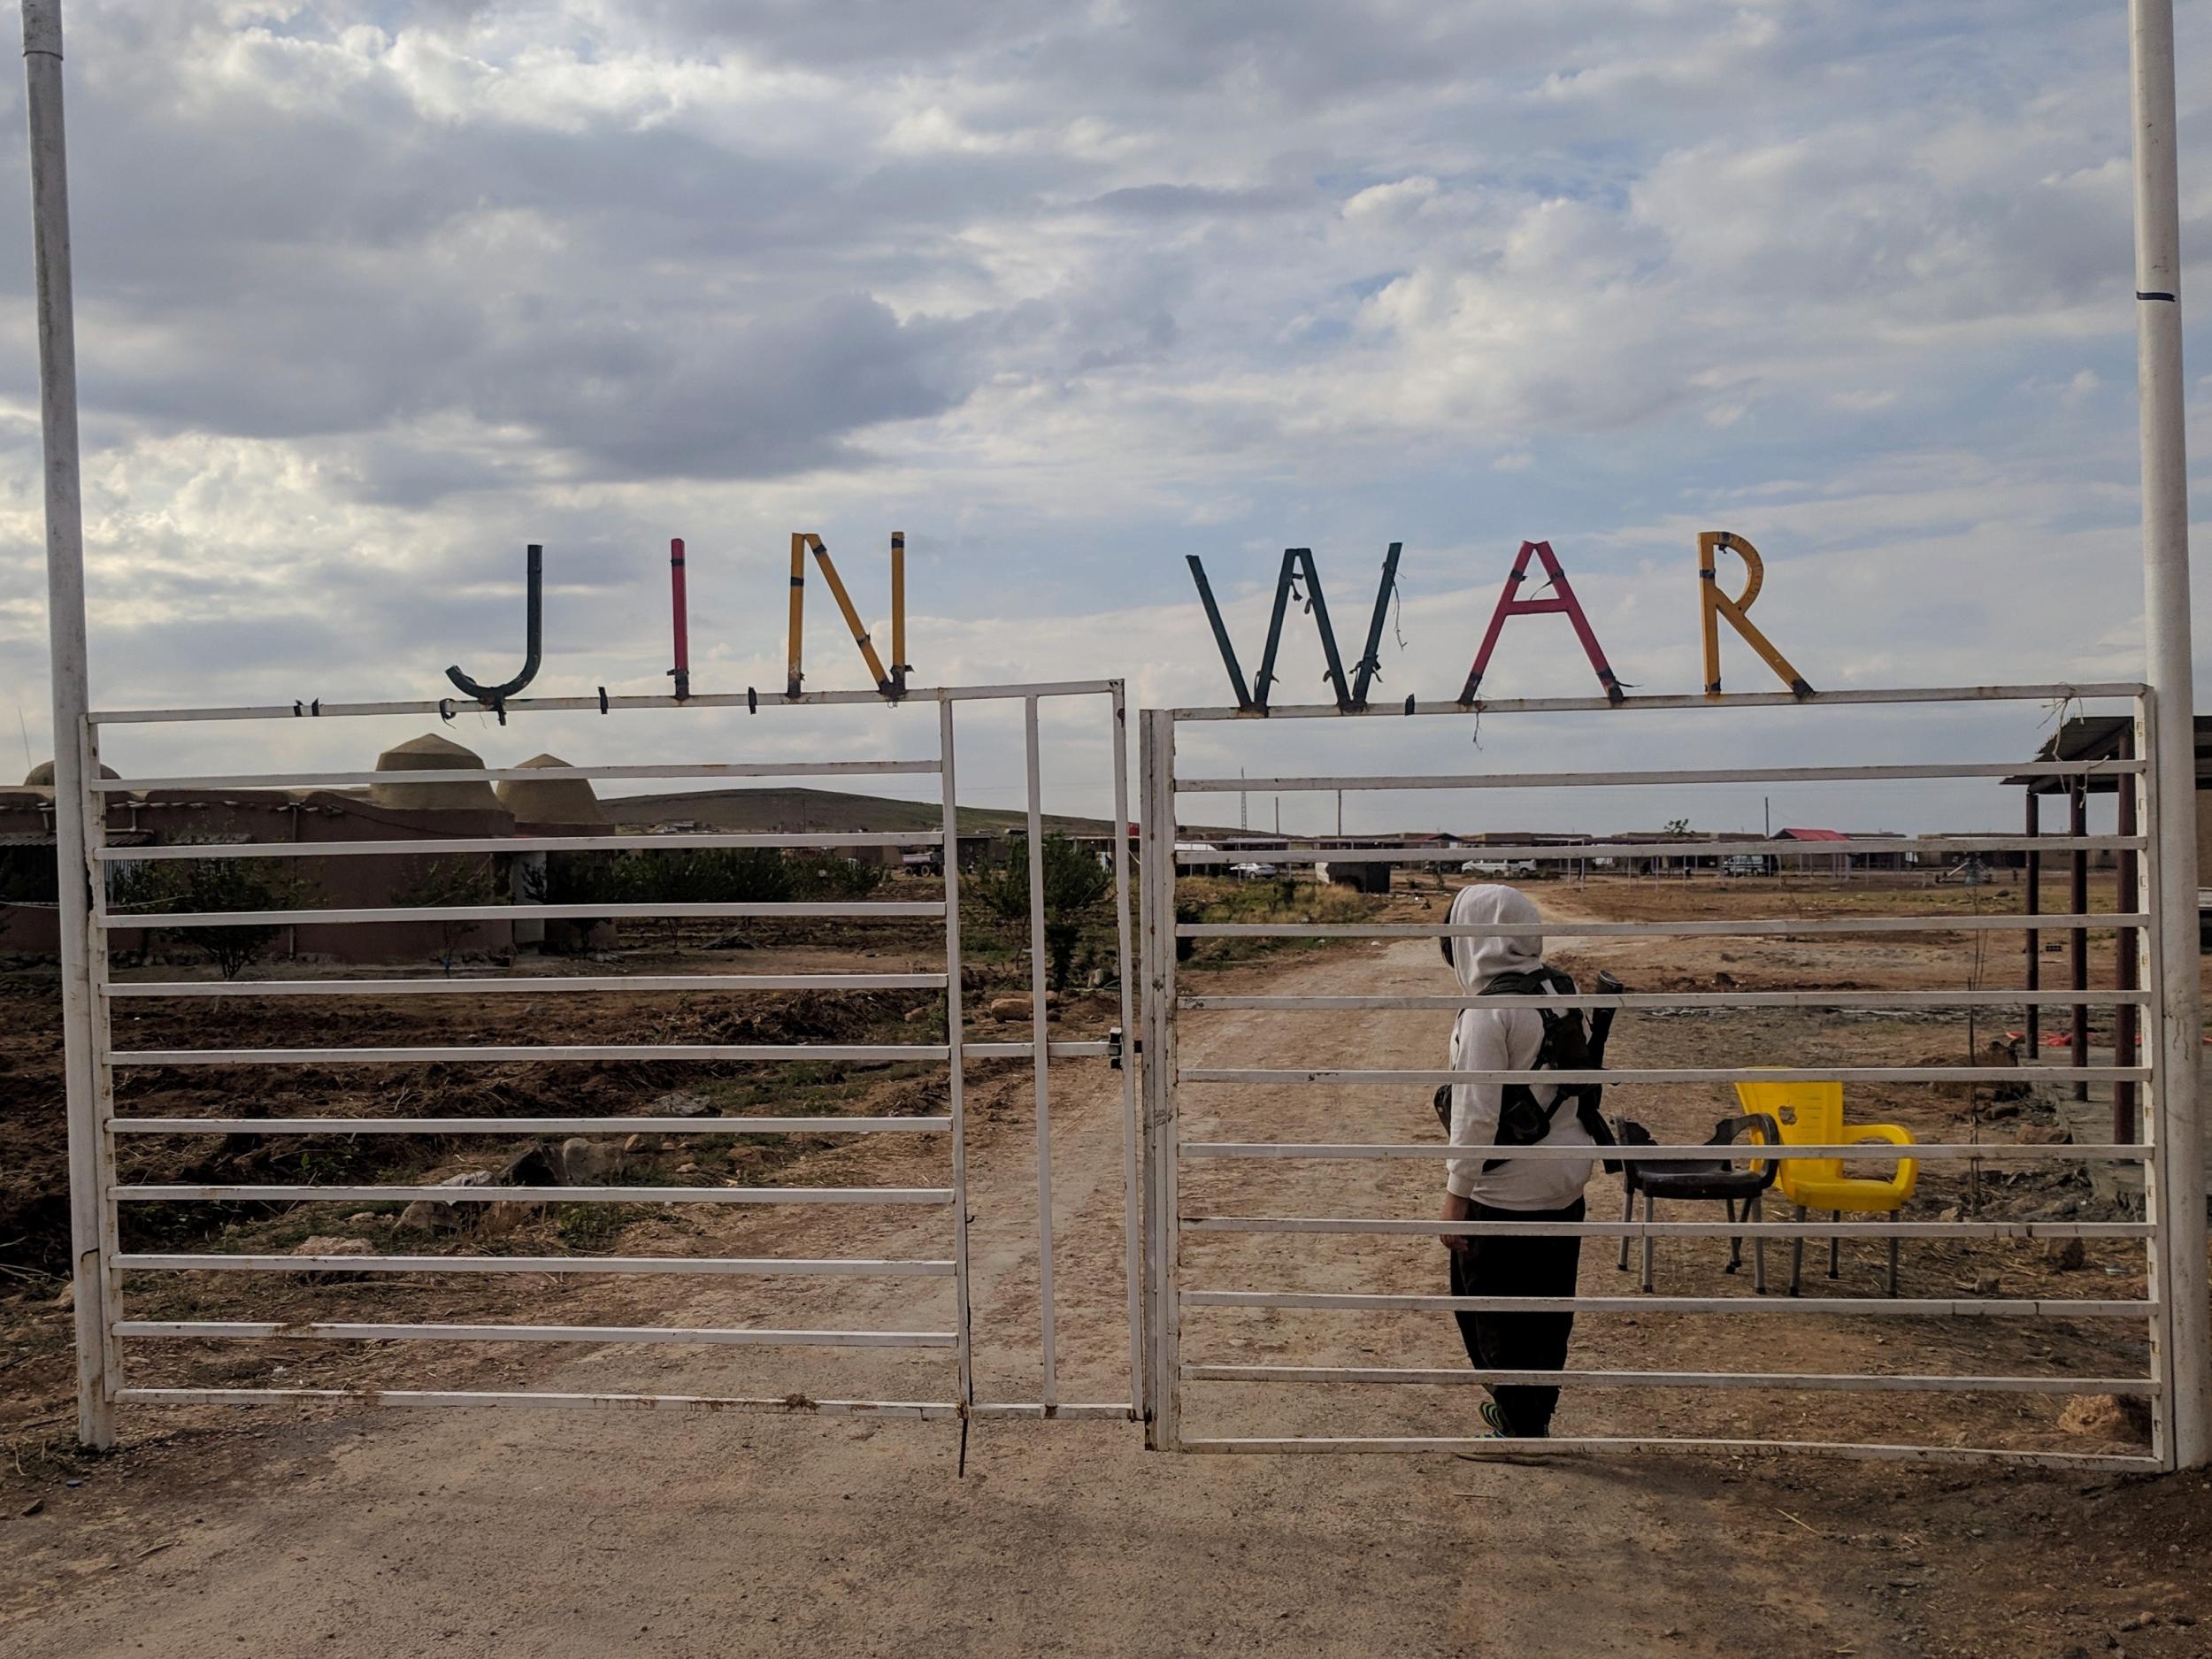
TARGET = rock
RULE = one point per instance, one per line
(1016, 1007)
(680, 1104)
(66, 1303)
(920, 1016)
(636, 1143)
(2107, 1417)
(431, 1215)
(2041, 1135)
(588, 1162)
(2064, 1254)
(1951, 1214)
(362, 1218)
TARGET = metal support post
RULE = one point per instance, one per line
(65, 630)
(2179, 1014)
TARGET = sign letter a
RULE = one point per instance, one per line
(1562, 603)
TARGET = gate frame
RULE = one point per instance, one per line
(2177, 1266)
(95, 1191)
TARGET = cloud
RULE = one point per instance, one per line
(372, 296)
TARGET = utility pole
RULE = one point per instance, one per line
(1340, 815)
(65, 634)
(1766, 816)
(2178, 1282)
(1244, 821)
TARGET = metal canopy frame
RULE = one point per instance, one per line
(2173, 1184)
(97, 1193)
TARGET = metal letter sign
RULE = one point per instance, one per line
(1350, 699)
(1564, 603)
(1713, 605)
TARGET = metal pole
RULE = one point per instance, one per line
(1155, 753)
(2077, 826)
(956, 1069)
(2033, 905)
(2127, 971)
(2166, 626)
(65, 632)
(1039, 1062)
(1132, 1196)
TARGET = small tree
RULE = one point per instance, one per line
(570, 879)
(1074, 881)
(155, 886)
(713, 875)
(453, 882)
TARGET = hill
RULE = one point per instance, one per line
(793, 809)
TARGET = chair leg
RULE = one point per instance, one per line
(1648, 1244)
(1797, 1254)
(1735, 1241)
(1628, 1213)
(1835, 1251)
(1893, 1263)
(1757, 1211)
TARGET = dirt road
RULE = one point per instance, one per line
(280, 1532)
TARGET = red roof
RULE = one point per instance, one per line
(1810, 835)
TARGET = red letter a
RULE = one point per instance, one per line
(1563, 602)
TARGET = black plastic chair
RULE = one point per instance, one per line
(1714, 1180)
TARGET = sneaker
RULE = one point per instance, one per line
(1496, 1419)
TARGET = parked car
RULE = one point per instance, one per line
(1746, 864)
(1251, 871)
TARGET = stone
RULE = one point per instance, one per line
(66, 1303)
(680, 1104)
(1016, 1007)
(636, 1143)
(362, 1218)
(2041, 1135)
(330, 1244)
(920, 1016)
(431, 1214)
(2064, 1254)
(588, 1162)
(2107, 1417)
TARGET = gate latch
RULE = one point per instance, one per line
(1113, 1048)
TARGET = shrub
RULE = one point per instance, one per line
(1074, 882)
(152, 886)
(450, 882)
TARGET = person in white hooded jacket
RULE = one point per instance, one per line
(1517, 1189)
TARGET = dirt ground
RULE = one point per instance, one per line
(349, 1530)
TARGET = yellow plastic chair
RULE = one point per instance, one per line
(1810, 1114)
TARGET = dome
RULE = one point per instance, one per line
(41, 777)
(430, 753)
(553, 800)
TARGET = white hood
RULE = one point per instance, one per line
(1476, 958)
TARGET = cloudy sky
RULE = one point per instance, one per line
(369, 294)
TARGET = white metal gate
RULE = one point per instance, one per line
(106, 1274)
(1186, 1378)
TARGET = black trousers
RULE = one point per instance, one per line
(1499, 1266)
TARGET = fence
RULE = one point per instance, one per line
(107, 1273)
(1176, 1089)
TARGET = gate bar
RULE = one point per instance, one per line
(1609, 779)
(592, 705)
(955, 1073)
(2056, 693)
(1038, 1066)
(1132, 1196)
(1869, 1382)
(852, 1266)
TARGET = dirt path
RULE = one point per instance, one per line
(560, 1533)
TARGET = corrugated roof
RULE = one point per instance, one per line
(1810, 835)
